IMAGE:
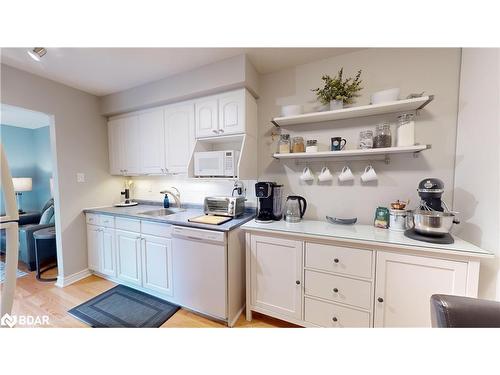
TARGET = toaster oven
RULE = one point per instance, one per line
(224, 206)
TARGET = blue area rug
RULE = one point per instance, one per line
(2, 272)
(122, 307)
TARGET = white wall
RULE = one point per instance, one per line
(192, 190)
(80, 146)
(477, 176)
(228, 74)
(413, 70)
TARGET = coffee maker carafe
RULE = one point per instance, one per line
(269, 200)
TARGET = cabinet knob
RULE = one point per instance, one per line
(334, 319)
(221, 131)
(380, 299)
(215, 131)
(335, 290)
(297, 282)
(336, 260)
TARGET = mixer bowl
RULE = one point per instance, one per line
(433, 223)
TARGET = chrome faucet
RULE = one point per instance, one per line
(175, 194)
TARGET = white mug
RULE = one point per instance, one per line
(307, 175)
(325, 175)
(346, 174)
(369, 174)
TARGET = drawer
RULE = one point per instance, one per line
(326, 314)
(338, 289)
(343, 260)
(107, 221)
(128, 224)
(156, 229)
(92, 219)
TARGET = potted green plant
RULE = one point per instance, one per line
(338, 91)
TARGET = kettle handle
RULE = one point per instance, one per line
(302, 208)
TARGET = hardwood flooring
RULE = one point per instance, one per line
(44, 298)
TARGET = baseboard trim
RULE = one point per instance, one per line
(68, 280)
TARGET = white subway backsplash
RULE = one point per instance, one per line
(192, 190)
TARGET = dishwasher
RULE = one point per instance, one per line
(200, 269)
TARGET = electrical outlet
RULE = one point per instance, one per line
(80, 177)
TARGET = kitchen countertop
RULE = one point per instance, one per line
(180, 218)
(364, 233)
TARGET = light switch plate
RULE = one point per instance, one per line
(80, 177)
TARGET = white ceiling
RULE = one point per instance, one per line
(22, 118)
(102, 71)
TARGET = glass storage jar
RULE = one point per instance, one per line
(383, 136)
(366, 139)
(312, 145)
(284, 144)
(405, 134)
(298, 144)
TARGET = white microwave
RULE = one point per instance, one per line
(216, 163)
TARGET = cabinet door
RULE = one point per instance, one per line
(179, 136)
(94, 236)
(276, 275)
(405, 283)
(206, 118)
(157, 264)
(116, 145)
(107, 252)
(128, 251)
(131, 145)
(232, 112)
(152, 142)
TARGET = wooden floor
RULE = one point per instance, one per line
(44, 298)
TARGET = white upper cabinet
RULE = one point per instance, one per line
(152, 142)
(405, 283)
(179, 136)
(232, 113)
(124, 148)
(207, 124)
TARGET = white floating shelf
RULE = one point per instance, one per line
(354, 112)
(354, 153)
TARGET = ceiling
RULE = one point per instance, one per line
(22, 118)
(102, 71)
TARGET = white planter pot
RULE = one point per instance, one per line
(336, 104)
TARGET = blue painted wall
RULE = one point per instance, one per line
(29, 155)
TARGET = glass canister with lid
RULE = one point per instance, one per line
(383, 136)
(406, 130)
(298, 144)
(284, 144)
(366, 139)
(312, 145)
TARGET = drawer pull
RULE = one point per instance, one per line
(297, 282)
(334, 319)
(335, 290)
(336, 260)
(380, 299)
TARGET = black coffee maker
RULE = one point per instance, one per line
(430, 191)
(269, 201)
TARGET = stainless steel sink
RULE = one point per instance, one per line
(162, 212)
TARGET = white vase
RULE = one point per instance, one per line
(336, 104)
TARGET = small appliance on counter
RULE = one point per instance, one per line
(433, 220)
(399, 216)
(216, 163)
(269, 201)
(224, 206)
(127, 202)
(295, 208)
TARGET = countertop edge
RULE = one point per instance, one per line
(375, 245)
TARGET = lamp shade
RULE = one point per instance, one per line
(22, 183)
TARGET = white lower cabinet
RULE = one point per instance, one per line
(276, 275)
(93, 247)
(157, 264)
(350, 285)
(405, 284)
(107, 254)
(128, 254)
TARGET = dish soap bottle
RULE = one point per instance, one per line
(166, 202)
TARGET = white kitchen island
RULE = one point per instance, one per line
(317, 274)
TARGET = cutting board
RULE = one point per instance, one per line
(210, 219)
